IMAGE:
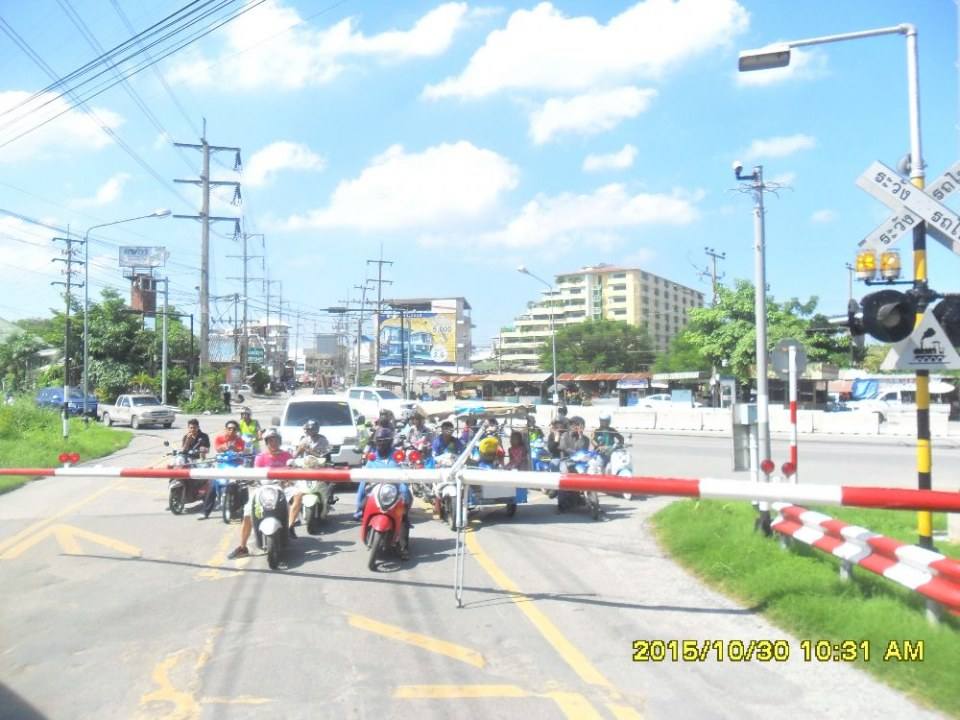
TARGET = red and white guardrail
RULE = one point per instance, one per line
(929, 573)
(706, 488)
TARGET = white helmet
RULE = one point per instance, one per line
(605, 416)
(272, 433)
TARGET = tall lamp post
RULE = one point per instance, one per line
(778, 55)
(553, 333)
(86, 290)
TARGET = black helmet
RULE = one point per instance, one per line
(310, 426)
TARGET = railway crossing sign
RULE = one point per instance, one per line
(927, 348)
(780, 357)
(912, 205)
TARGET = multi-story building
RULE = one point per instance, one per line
(600, 292)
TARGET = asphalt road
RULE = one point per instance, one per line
(113, 608)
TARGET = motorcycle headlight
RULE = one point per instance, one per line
(269, 496)
(387, 496)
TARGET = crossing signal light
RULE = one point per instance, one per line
(889, 315)
(947, 313)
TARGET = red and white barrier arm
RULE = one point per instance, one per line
(707, 488)
(929, 573)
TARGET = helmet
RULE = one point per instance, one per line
(383, 434)
(272, 433)
(605, 417)
(310, 426)
(246, 411)
(488, 446)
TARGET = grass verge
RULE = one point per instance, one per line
(30, 437)
(801, 591)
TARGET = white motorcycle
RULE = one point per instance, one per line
(270, 521)
(620, 463)
(318, 495)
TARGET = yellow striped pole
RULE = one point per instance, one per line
(924, 450)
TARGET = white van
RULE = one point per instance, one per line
(336, 421)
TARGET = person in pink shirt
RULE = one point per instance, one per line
(273, 457)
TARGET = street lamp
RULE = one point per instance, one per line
(86, 289)
(778, 55)
(553, 333)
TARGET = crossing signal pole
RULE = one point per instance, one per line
(205, 183)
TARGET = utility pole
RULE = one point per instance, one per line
(164, 351)
(245, 340)
(363, 303)
(205, 183)
(712, 272)
(68, 259)
(380, 281)
(267, 283)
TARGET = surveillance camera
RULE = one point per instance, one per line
(737, 167)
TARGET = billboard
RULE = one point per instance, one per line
(142, 256)
(427, 339)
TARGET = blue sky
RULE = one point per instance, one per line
(470, 138)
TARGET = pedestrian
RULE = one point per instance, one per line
(226, 397)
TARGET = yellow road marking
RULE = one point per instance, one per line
(574, 706)
(573, 657)
(217, 559)
(623, 712)
(425, 642)
(66, 536)
(186, 704)
(457, 692)
(39, 524)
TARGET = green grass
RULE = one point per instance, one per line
(801, 591)
(30, 437)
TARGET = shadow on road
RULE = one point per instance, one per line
(14, 707)
(494, 595)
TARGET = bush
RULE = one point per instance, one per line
(206, 393)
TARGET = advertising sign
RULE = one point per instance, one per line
(142, 256)
(427, 339)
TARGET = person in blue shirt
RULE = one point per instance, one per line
(383, 443)
(445, 442)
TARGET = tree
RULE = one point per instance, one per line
(600, 346)
(725, 334)
(17, 354)
(683, 356)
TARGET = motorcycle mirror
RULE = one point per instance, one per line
(166, 443)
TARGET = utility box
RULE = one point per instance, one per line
(744, 434)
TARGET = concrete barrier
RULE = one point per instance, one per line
(717, 420)
(846, 423)
(632, 420)
(689, 420)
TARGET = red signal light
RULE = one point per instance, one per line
(767, 466)
(788, 468)
(64, 457)
(398, 456)
(414, 456)
(75, 458)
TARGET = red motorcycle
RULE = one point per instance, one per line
(184, 491)
(383, 527)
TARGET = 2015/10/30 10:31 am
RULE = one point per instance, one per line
(772, 650)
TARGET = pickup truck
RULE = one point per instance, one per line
(136, 411)
(369, 401)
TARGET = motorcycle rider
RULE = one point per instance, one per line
(383, 441)
(418, 434)
(490, 451)
(605, 437)
(574, 439)
(250, 428)
(312, 443)
(469, 430)
(273, 456)
(445, 442)
(227, 441)
(195, 441)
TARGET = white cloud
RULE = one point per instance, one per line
(272, 46)
(73, 130)
(620, 160)
(777, 147)
(785, 178)
(544, 49)
(105, 194)
(588, 114)
(823, 216)
(804, 65)
(444, 185)
(264, 164)
(593, 218)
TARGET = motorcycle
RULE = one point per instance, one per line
(383, 527)
(232, 494)
(318, 495)
(620, 463)
(583, 462)
(270, 518)
(182, 491)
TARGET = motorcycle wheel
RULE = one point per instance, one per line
(511, 509)
(273, 552)
(450, 507)
(313, 522)
(259, 538)
(226, 504)
(177, 499)
(376, 541)
(593, 500)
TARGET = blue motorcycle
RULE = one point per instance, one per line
(582, 462)
(232, 493)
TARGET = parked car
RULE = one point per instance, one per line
(52, 397)
(137, 410)
(663, 400)
(336, 420)
(371, 400)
